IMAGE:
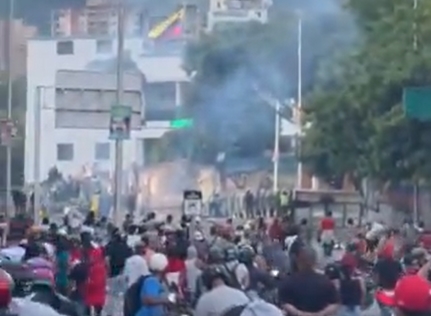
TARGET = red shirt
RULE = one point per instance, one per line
(327, 223)
(425, 240)
(175, 265)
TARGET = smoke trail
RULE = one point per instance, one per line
(228, 108)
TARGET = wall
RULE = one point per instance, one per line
(43, 63)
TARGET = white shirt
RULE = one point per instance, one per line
(14, 254)
(135, 267)
(219, 300)
(376, 231)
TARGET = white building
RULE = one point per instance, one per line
(224, 12)
(69, 148)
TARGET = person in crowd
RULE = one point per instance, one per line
(136, 265)
(307, 292)
(220, 297)
(387, 271)
(351, 288)
(32, 247)
(411, 297)
(62, 260)
(200, 244)
(116, 252)
(275, 230)
(95, 286)
(152, 291)
(327, 233)
(148, 249)
(258, 277)
(374, 232)
(90, 220)
(249, 204)
(176, 251)
(305, 231)
(189, 276)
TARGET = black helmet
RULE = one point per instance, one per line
(246, 254)
(212, 272)
(230, 253)
(215, 255)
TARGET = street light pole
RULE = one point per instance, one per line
(276, 146)
(9, 110)
(415, 36)
(119, 100)
(299, 98)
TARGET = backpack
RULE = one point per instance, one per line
(232, 279)
(132, 297)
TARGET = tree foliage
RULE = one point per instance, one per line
(358, 126)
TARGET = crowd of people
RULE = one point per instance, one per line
(156, 268)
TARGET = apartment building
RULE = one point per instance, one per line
(225, 12)
(95, 19)
(20, 34)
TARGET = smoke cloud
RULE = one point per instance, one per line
(228, 108)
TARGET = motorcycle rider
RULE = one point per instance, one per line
(220, 297)
(237, 270)
(259, 281)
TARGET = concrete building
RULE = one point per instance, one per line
(224, 12)
(20, 34)
(95, 20)
(165, 81)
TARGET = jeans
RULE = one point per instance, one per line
(115, 291)
(349, 311)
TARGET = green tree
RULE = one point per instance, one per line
(357, 122)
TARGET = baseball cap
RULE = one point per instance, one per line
(412, 293)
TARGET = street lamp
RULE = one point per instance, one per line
(9, 109)
(119, 100)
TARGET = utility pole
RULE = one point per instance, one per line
(37, 140)
(119, 100)
(299, 98)
(9, 110)
(276, 146)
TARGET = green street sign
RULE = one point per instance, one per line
(119, 127)
(181, 123)
(417, 103)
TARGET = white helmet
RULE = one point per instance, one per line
(158, 262)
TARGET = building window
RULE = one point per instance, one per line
(102, 151)
(104, 47)
(64, 152)
(65, 48)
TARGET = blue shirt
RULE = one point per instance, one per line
(151, 288)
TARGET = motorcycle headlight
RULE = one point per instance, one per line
(275, 273)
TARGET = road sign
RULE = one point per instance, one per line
(417, 103)
(181, 123)
(192, 202)
(8, 131)
(119, 126)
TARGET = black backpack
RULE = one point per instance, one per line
(132, 297)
